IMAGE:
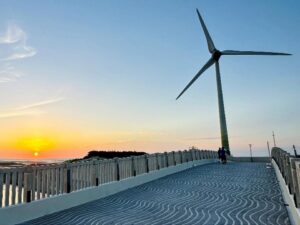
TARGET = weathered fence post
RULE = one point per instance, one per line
(286, 167)
(202, 154)
(7, 187)
(67, 179)
(290, 169)
(146, 163)
(294, 181)
(181, 157)
(157, 162)
(195, 155)
(186, 158)
(133, 170)
(174, 159)
(166, 159)
(95, 181)
(297, 184)
(117, 169)
(27, 187)
(33, 183)
(1, 187)
(192, 154)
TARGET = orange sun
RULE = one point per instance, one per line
(35, 144)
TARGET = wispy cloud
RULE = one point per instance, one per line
(13, 34)
(40, 104)
(13, 46)
(21, 52)
(21, 113)
(17, 39)
(32, 109)
(8, 74)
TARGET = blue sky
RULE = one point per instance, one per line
(109, 72)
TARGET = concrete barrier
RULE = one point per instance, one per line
(24, 212)
(293, 211)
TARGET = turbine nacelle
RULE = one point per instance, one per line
(216, 55)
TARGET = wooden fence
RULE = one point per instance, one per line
(26, 184)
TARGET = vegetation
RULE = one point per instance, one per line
(112, 154)
(108, 155)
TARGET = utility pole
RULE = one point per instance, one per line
(250, 145)
(269, 149)
(274, 139)
(295, 151)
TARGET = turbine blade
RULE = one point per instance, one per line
(233, 52)
(205, 67)
(210, 43)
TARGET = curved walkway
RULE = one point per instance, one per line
(235, 193)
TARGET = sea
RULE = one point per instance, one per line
(13, 163)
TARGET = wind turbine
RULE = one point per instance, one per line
(215, 56)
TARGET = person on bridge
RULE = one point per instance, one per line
(219, 155)
(223, 155)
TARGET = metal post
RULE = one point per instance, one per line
(250, 145)
(295, 151)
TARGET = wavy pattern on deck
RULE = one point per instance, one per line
(236, 193)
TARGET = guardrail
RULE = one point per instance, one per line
(289, 167)
(26, 184)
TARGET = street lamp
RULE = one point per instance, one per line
(269, 149)
(274, 139)
(250, 145)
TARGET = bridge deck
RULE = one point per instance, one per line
(235, 193)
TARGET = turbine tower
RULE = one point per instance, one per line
(215, 56)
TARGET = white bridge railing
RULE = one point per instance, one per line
(26, 184)
(289, 167)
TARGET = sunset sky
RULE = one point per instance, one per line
(83, 75)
